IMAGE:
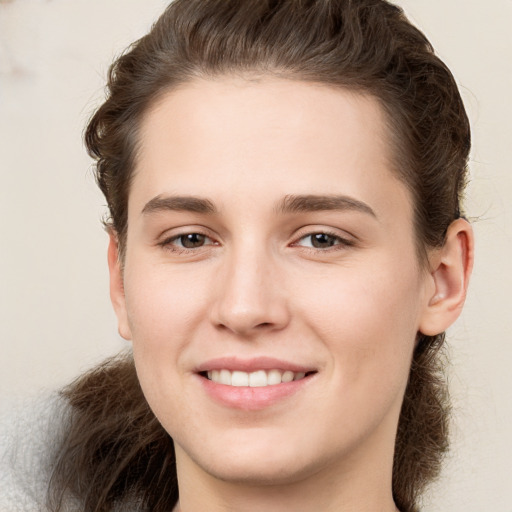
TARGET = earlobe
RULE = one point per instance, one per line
(451, 268)
(117, 287)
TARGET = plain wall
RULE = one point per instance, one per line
(55, 314)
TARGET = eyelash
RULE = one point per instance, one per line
(339, 243)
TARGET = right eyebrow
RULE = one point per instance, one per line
(179, 203)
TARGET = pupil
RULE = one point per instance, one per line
(322, 240)
(192, 240)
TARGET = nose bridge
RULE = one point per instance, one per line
(250, 294)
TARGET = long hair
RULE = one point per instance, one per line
(115, 449)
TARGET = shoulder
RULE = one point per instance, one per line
(29, 428)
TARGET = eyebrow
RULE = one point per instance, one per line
(179, 203)
(289, 204)
(313, 203)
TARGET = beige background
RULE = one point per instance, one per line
(55, 316)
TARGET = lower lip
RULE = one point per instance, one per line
(252, 399)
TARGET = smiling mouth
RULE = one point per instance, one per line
(256, 379)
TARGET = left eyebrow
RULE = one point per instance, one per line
(313, 203)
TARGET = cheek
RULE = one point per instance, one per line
(163, 305)
(368, 317)
(164, 312)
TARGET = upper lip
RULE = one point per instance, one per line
(251, 365)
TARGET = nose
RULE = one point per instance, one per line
(250, 296)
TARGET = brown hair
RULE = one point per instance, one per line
(115, 448)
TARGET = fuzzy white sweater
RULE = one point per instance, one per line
(28, 430)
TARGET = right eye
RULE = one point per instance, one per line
(187, 241)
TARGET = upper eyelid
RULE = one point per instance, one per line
(176, 232)
(343, 243)
(313, 230)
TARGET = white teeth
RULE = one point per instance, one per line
(274, 377)
(225, 377)
(287, 376)
(259, 378)
(239, 379)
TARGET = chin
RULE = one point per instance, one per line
(259, 460)
(259, 472)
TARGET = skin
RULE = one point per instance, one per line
(255, 286)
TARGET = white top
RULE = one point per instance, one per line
(28, 429)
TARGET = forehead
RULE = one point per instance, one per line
(265, 113)
(264, 135)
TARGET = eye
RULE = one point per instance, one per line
(188, 241)
(191, 240)
(322, 241)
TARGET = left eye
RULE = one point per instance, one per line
(321, 241)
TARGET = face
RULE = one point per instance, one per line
(271, 286)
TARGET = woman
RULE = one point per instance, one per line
(286, 252)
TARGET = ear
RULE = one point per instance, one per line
(450, 269)
(117, 287)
